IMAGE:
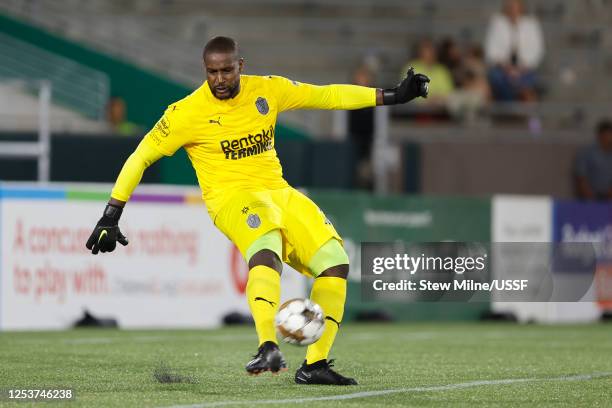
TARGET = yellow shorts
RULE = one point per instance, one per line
(248, 215)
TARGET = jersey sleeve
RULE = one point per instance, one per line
(296, 95)
(170, 132)
(133, 169)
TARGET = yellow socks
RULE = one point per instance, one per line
(330, 294)
(263, 293)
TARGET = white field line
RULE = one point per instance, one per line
(367, 394)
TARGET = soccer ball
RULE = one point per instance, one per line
(300, 322)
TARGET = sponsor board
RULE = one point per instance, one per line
(360, 218)
(589, 222)
(177, 271)
(520, 219)
(537, 220)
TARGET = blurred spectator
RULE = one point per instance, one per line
(473, 91)
(450, 55)
(593, 167)
(515, 47)
(116, 112)
(426, 62)
(361, 130)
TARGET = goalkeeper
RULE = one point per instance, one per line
(227, 128)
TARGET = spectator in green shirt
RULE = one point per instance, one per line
(426, 62)
(116, 112)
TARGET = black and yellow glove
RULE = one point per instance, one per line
(106, 234)
(414, 85)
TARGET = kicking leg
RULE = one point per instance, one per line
(263, 295)
(329, 291)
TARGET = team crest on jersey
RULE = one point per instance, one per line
(262, 105)
(253, 221)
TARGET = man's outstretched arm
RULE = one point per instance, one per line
(295, 95)
(106, 234)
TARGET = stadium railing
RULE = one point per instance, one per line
(77, 87)
(39, 149)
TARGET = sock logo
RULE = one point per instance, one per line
(332, 319)
(265, 300)
(249, 145)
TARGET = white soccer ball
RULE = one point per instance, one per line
(300, 322)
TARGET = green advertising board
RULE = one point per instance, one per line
(362, 217)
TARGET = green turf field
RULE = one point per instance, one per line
(396, 365)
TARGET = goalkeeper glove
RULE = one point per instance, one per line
(412, 86)
(106, 233)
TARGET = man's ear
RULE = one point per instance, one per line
(240, 64)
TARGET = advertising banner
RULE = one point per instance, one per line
(521, 219)
(589, 222)
(177, 271)
(361, 217)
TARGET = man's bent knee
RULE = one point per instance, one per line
(330, 260)
(338, 271)
(267, 258)
(266, 251)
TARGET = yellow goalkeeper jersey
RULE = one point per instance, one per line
(231, 142)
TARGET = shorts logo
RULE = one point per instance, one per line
(262, 105)
(327, 221)
(253, 221)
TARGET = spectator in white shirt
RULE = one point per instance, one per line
(514, 47)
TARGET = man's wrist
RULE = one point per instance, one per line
(112, 212)
(389, 96)
(115, 202)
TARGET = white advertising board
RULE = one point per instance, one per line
(177, 271)
(530, 219)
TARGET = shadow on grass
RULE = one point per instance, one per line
(164, 374)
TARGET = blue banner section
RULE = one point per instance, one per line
(32, 194)
(584, 222)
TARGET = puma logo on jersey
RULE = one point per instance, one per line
(218, 121)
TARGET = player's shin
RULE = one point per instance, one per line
(330, 294)
(263, 293)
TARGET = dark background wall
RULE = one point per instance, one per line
(488, 167)
(532, 167)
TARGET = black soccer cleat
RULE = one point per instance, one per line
(321, 373)
(268, 358)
